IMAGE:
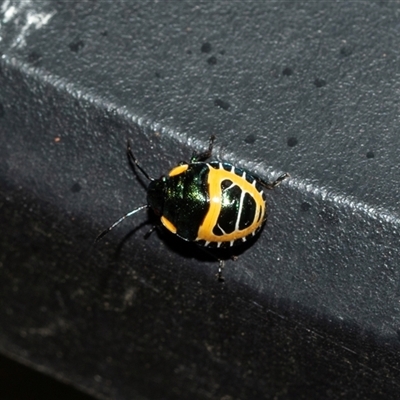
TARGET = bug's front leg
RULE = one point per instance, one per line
(275, 183)
(207, 154)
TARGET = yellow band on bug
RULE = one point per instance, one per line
(215, 179)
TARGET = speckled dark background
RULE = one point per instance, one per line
(311, 309)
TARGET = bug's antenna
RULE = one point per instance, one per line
(133, 159)
(102, 234)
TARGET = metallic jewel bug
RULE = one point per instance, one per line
(213, 204)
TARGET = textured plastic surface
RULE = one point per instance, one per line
(312, 308)
(21, 382)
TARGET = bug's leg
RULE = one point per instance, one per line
(275, 183)
(151, 230)
(207, 154)
(220, 261)
(134, 161)
(220, 269)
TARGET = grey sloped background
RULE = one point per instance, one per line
(310, 88)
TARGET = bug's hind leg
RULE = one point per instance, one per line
(206, 154)
(275, 183)
(221, 263)
(220, 269)
(150, 231)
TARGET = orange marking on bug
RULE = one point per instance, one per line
(168, 224)
(215, 179)
(180, 169)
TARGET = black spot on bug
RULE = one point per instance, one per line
(248, 211)
(34, 57)
(189, 51)
(76, 45)
(329, 215)
(250, 139)
(305, 206)
(292, 141)
(212, 60)
(76, 187)
(1, 110)
(346, 51)
(225, 166)
(319, 82)
(222, 104)
(370, 154)
(287, 71)
(206, 47)
(228, 215)
(157, 75)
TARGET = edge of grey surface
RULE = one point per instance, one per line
(330, 247)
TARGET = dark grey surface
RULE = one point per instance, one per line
(312, 309)
(19, 382)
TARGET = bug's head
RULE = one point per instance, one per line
(156, 195)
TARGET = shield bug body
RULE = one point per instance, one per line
(213, 204)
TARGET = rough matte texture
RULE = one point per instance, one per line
(22, 382)
(312, 307)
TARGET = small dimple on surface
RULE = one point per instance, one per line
(206, 47)
(222, 104)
